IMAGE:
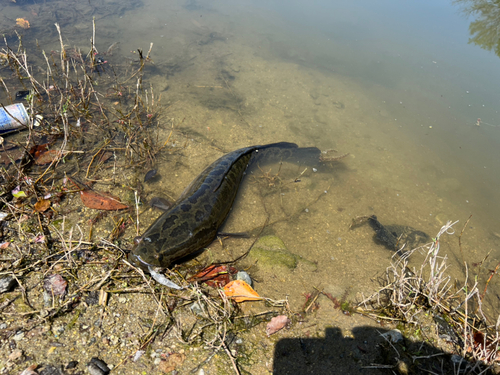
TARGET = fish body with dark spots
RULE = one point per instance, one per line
(193, 221)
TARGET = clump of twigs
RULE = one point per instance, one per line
(409, 293)
(87, 121)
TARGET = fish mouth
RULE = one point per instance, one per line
(138, 262)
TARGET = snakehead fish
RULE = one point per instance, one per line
(193, 221)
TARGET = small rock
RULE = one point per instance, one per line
(150, 175)
(122, 300)
(18, 336)
(138, 354)
(196, 308)
(160, 203)
(97, 366)
(171, 362)
(92, 298)
(71, 365)
(403, 368)
(394, 335)
(7, 284)
(242, 275)
(50, 370)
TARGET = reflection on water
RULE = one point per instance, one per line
(484, 29)
(234, 74)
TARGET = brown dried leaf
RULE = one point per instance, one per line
(6, 157)
(104, 157)
(277, 323)
(92, 199)
(42, 205)
(47, 157)
(55, 284)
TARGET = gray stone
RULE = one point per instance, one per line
(242, 275)
(7, 284)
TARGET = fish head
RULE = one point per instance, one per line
(145, 254)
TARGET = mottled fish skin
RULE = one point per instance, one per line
(193, 221)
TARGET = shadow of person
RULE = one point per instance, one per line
(367, 352)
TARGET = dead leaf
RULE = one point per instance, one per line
(36, 150)
(6, 157)
(47, 157)
(99, 201)
(173, 361)
(277, 323)
(104, 157)
(56, 285)
(42, 205)
(214, 276)
(240, 291)
(23, 23)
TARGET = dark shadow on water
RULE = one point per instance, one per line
(367, 352)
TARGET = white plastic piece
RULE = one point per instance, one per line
(163, 280)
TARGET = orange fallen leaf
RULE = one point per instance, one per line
(42, 205)
(47, 157)
(91, 199)
(240, 291)
(25, 24)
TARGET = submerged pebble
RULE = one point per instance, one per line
(242, 275)
(150, 174)
(160, 203)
